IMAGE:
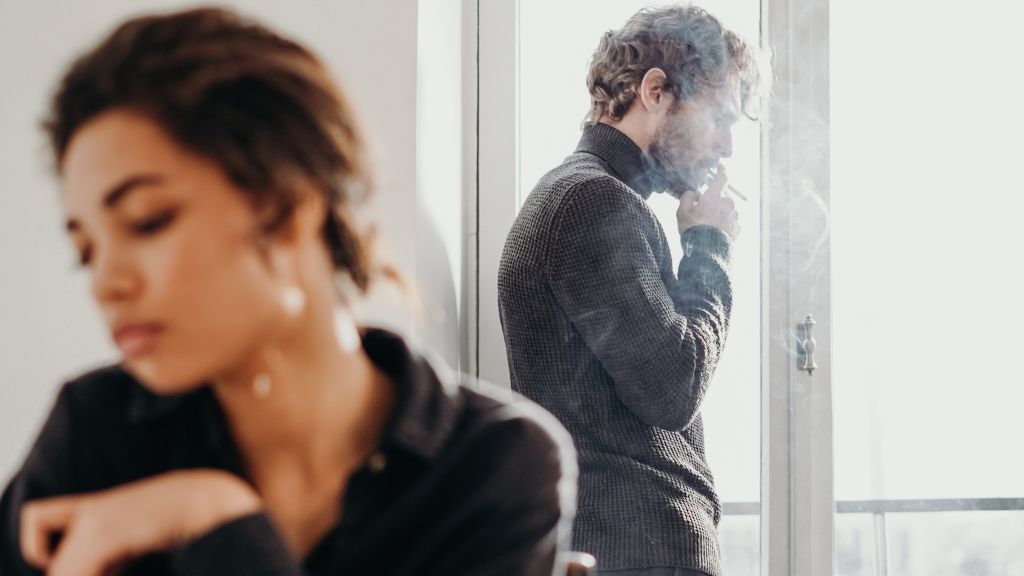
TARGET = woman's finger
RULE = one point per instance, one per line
(40, 519)
(82, 552)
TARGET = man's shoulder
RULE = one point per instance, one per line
(582, 181)
(580, 171)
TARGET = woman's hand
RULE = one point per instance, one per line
(101, 530)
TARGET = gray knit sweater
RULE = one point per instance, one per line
(603, 333)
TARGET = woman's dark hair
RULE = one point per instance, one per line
(261, 106)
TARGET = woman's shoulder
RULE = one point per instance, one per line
(442, 414)
(501, 425)
(103, 426)
(492, 406)
(100, 388)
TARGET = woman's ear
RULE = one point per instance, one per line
(654, 96)
(306, 221)
(310, 215)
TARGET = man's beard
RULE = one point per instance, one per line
(670, 179)
(669, 162)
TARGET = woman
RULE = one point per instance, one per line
(209, 169)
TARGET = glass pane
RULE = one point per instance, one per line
(855, 545)
(926, 203)
(972, 543)
(741, 543)
(956, 543)
(553, 101)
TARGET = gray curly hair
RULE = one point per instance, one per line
(690, 45)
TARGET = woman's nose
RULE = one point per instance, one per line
(113, 278)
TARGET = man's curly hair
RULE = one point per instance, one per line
(690, 45)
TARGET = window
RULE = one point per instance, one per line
(885, 206)
(925, 296)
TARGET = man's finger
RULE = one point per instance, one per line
(688, 201)
(727, 204)
(717, 184)
(39, 520)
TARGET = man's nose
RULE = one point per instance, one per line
(724, 148)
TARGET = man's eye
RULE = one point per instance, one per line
(155, 224)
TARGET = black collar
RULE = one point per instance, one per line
(625, 158)
(426, 399)
(424, 414)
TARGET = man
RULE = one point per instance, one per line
(599, 328)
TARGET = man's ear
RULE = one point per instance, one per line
(653, 93)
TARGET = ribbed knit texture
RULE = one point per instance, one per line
(603, 333)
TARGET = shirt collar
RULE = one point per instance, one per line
(426, 399)
(622, 154)
(426, 396)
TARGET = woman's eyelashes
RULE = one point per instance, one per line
(154, 224)
(144, 227)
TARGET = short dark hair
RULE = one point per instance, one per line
(259, 105)
(690, 45)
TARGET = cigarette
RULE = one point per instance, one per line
(728, 186)
(738, 194)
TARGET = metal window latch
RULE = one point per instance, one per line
(805, 345)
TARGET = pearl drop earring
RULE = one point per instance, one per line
(294, 300)
(261, 385)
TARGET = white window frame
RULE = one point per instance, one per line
(495, 200)
(797, 503)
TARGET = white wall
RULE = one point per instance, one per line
(49, 330)
(439, 167)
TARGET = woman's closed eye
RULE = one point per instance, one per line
(143, 227)
(154, 224)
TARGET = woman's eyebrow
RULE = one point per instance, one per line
(129, 184)
(118, 192)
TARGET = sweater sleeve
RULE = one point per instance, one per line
(658, 336)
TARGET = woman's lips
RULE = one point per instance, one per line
(137, 339)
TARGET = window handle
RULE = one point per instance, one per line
(805, 345)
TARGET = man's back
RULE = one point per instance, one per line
(600, 331)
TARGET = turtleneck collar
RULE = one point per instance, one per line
(625, 158)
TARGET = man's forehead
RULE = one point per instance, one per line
(724, 97)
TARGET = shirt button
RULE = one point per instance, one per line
(377, 462)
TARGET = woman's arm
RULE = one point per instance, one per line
(48, 470)
(100, 531)
(203, 516)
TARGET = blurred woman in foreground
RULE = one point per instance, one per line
(210, 167)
